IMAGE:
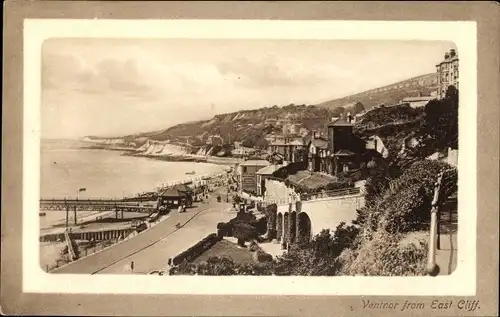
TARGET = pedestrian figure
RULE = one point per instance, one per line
(132, 266)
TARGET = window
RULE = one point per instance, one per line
(244, 169)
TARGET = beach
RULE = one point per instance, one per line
(69, 171)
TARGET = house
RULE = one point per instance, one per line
(344, 147)
(417, 102)
(447, 72)
(376, 143)
(247, 174)
(289, 148)
(264, 174)
(317, 151)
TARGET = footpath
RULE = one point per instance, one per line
(139, 248)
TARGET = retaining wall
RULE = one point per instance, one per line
(88, 235)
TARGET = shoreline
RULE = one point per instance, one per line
(166, 157)
(188, 158)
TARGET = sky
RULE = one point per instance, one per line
(114, 87)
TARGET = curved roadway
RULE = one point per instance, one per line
(151, 249)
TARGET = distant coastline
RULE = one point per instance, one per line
(129, 151)
(188, 158)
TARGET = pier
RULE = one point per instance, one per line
(76, 205)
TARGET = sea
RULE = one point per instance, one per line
(68, 170)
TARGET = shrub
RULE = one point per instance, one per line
(262, 256)
(217, 266)
(244, 232)
(260, 225)
(405, 203)
(253, 246)
(385, 256)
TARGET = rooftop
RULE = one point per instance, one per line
(422, 98)
(340, 123)
(344, 153)
(320, 143)
(268, 170)
(283, 142)
(311, 180)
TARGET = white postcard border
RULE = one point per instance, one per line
(461, 282)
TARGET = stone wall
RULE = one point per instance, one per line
(277, 192)
(321, 214)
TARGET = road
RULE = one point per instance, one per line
(151, 249)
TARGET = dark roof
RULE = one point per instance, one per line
(173, 192)
(341, 123)
(310, 180)
(320, 143)
(183, 188)
(344, 153)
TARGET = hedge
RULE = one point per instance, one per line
(197, 249)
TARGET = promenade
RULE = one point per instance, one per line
(151, 249)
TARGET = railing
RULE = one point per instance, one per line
(314, 196)
(432, 267)
(90, 204)
(69, 244)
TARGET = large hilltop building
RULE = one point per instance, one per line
(447, 73)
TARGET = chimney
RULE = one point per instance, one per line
(446, 55)
(349, 117)
(452, 52)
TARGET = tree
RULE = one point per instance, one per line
(261, 143)
(358, 107)
(244, 232)
(337, 112)
(439, 127)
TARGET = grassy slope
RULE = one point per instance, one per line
(374, 97)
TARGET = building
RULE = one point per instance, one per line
(215, 140)
(288, 148)
(417, 102)
(377, 144)
(247, 174)
(264, 174)
(317, 151)
(303, 132)
(447, 73)
(339, 152)
(242, 151)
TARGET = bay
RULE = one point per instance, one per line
(66, 167)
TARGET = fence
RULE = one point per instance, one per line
(434, 235)
(314, 196)
(84, 250)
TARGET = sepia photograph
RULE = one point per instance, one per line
(249, 157)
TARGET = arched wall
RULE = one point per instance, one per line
(304, 231)
(279, 226)
(286, 228)
(330, 212)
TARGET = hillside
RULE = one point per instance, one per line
(246, 126)
(390, 94)
(251, 126)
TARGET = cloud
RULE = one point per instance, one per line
(69, 72)
(273, 70)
